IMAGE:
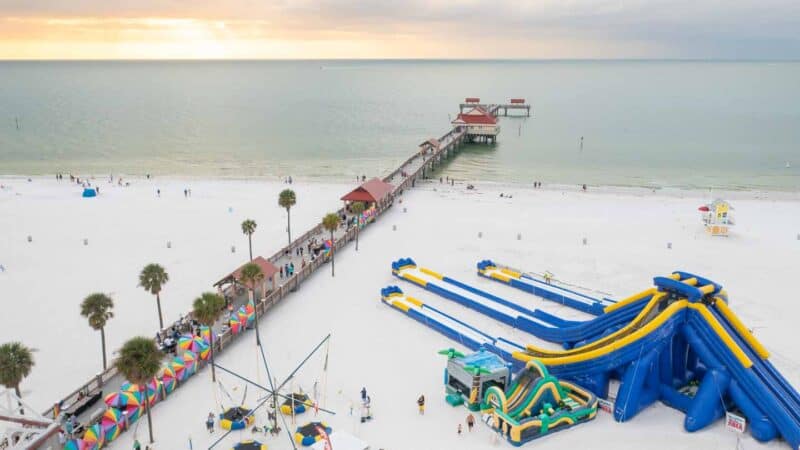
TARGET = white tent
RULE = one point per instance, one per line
(342, 441)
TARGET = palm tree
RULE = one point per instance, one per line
(251, 276)
(287, 199)
(97, 309)
(357, 208)
(16, 362)
(152, 279)
(248, 228)
(331, 222)
(139, 360)
(206, 309)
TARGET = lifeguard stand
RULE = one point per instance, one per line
(717, 217)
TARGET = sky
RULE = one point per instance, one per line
(308, 29)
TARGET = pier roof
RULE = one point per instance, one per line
(373, 190)
(476, 116)
(267, 268)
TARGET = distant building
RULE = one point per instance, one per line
(480, 124)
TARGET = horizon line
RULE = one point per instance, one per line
(710, 59)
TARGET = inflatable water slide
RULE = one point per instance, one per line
(685, 347)
(536, 322)
(544, 288)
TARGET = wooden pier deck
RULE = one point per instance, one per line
(413, 169)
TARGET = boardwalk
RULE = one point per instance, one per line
(416, 167)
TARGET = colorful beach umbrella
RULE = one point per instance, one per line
(190, 362)
(194, 344)
(179, 369)
(168, 380)
(111, 423)
(246, 315)
(205, 333)
(234, 325)
(122, 399)
(154, 390)
(75, 444)
(133, 413)
(94, 438)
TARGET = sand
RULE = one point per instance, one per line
(373, 346)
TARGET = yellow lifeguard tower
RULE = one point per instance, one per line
(717, 217)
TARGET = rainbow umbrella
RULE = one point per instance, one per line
(190, 362)
(134, 412)
(75, 444)
(154, 387)
(112, 423)
(328, 245)
(168, 380)
(205, 333)
(94, 438)
(122, 399)
(234, 325)
(246, 316)
(194, 344)
(179, 369)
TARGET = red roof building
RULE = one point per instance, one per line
(372, 191)
(478, 122)
(267, 268)
(472, 100)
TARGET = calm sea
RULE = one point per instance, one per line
(653, 123)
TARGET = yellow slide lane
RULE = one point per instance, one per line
(740, 328)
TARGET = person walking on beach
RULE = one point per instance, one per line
(158, 192)
(363, 394)
(459, 429)
(421, 404)
(137, 445)
(470, 421)
(210, 422)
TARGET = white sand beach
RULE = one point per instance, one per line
(627, 234)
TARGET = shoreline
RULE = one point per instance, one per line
(489, 186)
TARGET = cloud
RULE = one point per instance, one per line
(532, 28)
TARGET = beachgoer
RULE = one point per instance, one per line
(421, 404)
(185, 193)
(137, 445)
(281, 270)
(459, 429)
(158, 192)
(210, 422)
(62, 438)
(470, 421)
(363, 394)
(584, 188)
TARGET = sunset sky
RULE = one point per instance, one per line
(243, 29)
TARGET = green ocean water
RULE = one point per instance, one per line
(643, 123)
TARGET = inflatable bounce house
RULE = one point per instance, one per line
(533, 405)
(717, 217)
(467, 377)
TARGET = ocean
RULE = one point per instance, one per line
(687, 124)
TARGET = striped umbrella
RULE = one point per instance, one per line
(205, 333)
(134, 412)
(246, 316)
(194, 344)
(168, 380)
(75, 444)
(234, 325)
(122, 399)
(179, 369)
(112, 423)
(94, 438)
(154, 390)
(190, 362)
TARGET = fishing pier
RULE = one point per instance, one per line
(476, 122)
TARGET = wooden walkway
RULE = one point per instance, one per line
(415, 168)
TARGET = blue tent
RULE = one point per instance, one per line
(89, 192)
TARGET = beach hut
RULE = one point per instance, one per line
(429, 146)
(374, 192)
(717, 217)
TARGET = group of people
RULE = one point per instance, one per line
(537, 184)
(287, 270)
